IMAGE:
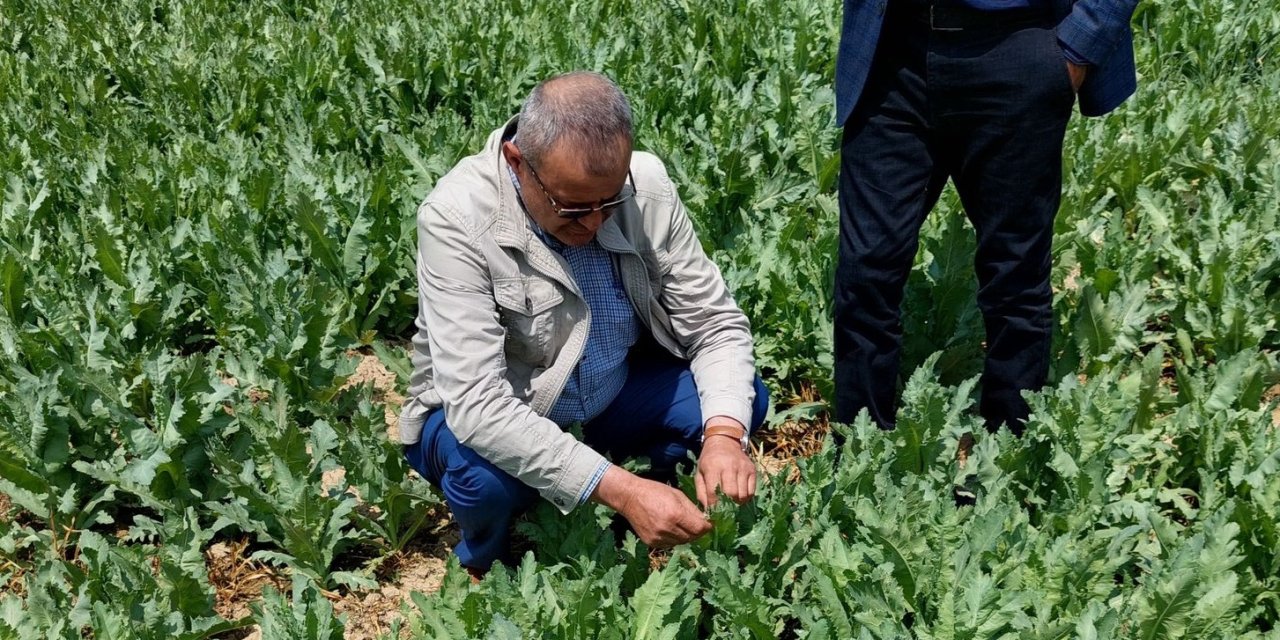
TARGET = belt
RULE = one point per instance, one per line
(959, 18)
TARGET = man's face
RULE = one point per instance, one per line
(568, 186)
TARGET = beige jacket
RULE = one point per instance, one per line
(502, 324)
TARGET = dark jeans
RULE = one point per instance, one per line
(986, 106)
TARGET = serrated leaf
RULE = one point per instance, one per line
(653, 603)
(110, 259)
(356, 246)
(13, 285)
(1095, 326)
(316, 229)
(503, 629)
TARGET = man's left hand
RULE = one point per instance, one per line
(724, 465)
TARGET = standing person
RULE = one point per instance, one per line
(560, 282)
(979, 91)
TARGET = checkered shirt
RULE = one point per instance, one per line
(602, 370)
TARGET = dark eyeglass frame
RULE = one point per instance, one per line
(606, 208)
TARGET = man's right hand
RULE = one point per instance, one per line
(1077, 73)
(661, 515)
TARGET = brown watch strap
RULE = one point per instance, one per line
(723, 430)
(737, 433)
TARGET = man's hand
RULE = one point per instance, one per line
(660, 515)
(1077, 73)
(724, 465)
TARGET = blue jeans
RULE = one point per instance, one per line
(657, 414)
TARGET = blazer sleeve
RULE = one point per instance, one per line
(1095, 28)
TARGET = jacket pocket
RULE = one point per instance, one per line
(526, 309)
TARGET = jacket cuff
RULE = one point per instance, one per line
(412, 413)
(1072, 55)
(734, 407)
(1086, 38)
(580, 468)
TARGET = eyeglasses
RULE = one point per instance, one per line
(606, 208)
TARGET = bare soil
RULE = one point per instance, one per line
(776, 448)
(420, 568)
(372, 371)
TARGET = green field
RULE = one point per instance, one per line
(207, 224)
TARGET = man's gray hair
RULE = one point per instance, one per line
(584, 109)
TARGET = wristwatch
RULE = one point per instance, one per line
(728, 431)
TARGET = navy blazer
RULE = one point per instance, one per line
(1098, 30)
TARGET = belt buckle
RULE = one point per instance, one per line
(933, 25)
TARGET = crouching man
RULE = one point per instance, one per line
(561, 283)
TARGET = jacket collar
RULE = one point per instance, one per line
(511, 229)
(611, 238)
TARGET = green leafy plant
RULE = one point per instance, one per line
(206, 208)
(306, 614)
(274, 479)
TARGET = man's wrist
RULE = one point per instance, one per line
(594, 482)
(711, 441)
(617, 488)
(727, 428)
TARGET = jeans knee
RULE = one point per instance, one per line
(486, 494)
